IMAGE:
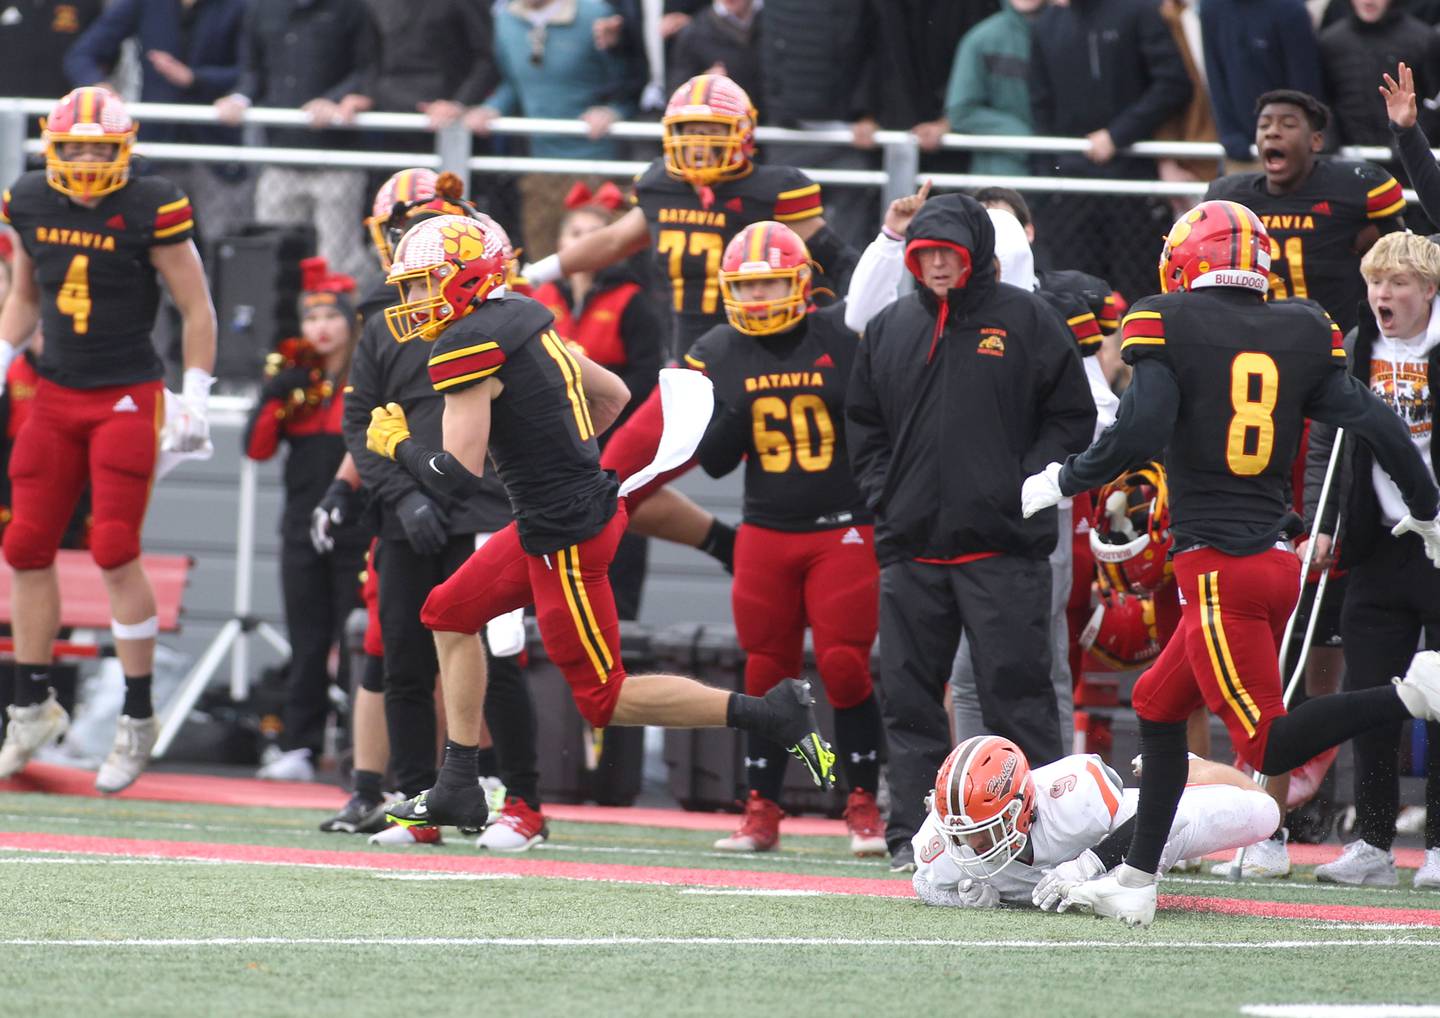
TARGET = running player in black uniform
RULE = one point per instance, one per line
(94, 245)
(1223, 383)
(805, 553)
(541, 436)
(1322, 215)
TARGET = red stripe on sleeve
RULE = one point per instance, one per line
(486, 362)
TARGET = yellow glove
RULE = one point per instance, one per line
(388, 428)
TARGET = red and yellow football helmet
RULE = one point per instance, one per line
(1130, 535)
(1120, 634)
(985, 799)
(403, 191)
(1217, 243)
(709, 131)
(766, 250)
(88, 115)
(459, 262)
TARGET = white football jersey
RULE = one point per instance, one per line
(1079, 800)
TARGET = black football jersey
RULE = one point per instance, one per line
(98, 290)
(542, 439)
(1247, 373)
(1312, 229)
(689, 236)
(780, 403)
(1091, 291)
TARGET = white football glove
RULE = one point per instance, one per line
(1053, 892)
(1429, 531)
(546, 270)
(977, 894)
(190, 429)
(1040, 491)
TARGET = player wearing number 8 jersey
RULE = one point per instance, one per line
(92, 244)
(1322, 215)
(1223, 382)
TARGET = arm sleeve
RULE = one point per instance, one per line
(92, 57)
(1143, 424)
(439, 472)
(875, 283)
(1343, 401)
(1066, 408)
(726, 441)
(387, 479)
(1420, 167)
(643, 333)
(263, 432)
(1169, 88)
(865, 431)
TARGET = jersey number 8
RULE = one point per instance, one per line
(1254, 388)
(774, 447)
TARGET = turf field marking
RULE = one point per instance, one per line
(1292, 885)
(757, 893)
(1342, 1010)
(874, 865)
(447, 876)
(1124, 945)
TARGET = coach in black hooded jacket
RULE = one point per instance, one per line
(950, 406)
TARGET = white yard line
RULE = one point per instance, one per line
(1121, 945)
(757, 892)
(1342, 1010)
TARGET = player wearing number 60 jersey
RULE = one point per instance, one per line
(1223, 383)
(93, 246)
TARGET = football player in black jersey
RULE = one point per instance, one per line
(93, 245)
(805, 553)
(515, 393)
(1223, 383)
(1322, 215)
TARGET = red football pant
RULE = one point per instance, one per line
(1225, 655)
(109, 436)
(630, 449)
(370, 597)
(829, 580)
(574, 607)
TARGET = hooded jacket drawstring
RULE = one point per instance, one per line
(939, 328)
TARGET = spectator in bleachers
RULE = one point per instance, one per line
(1107, 71)
(189, 53)
(434, 57)
(1253, 47)
(1196, 120)
(678, 14)
(550, 66)
(307, 56)
(723, 38)
(809, 50)
(1357, 50)
(989, 90)
(43, 30)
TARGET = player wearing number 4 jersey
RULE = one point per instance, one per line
(1223, 382)
(92, 243)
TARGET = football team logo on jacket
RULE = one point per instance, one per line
(992, 342)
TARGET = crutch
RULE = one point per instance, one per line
(1238, 865)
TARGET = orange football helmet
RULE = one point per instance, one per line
(766, 250)
(703, 155)
(88, 115)
(985, 799)
(460, 263)
(1217, 243)
(1130, 535)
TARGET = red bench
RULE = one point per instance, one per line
(84, 603)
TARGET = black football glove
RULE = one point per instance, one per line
(335, 509)
(286, 382)
(424, 523)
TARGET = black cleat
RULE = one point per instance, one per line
(358, 816)
(793, 708)
(465, 808)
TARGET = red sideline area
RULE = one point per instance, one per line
(219, 791)
(620, 873)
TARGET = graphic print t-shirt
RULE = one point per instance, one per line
(1400, 376)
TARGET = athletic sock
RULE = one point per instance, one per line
(1326, 721)
(32, 684)
(486, 763)
(62, 681)
(857, 733)
(137, 697)
(461, 766)
(719, 544)
(1164, 767)
(765, 762)
(367, 785)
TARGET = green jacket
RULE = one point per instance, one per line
(989, 92)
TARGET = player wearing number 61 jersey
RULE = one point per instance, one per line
(1223, 382)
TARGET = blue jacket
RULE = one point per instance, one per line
(1251, 47)
(213, 53)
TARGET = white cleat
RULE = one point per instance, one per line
(1420, 688)
(1360, 864)
(1105, 896)
(1264, 860)
(292, 765)
(134, 740)
(1429, 874)
(30, 729)
(494, 793)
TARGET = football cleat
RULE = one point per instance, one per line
(902, 859)
(31, 728)
(1360, 864)
(516, 828)
(1107, 898)
(866, 826)
(1264, 860)
(794, 705)
(464, 808)
(759, 830)
(1419, 690)
(291, 765)
(134, 740)
(1428, 875)
(358, 816)
(415, 834)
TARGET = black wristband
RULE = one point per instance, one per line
(438, 471)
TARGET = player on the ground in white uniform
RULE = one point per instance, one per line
(999, 832)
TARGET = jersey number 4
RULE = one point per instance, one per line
(73, 300)
(812, 450)
(1254, 388)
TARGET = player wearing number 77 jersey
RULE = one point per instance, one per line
(1223, 383)
(92, 244)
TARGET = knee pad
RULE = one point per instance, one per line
(845, 673)
(113, 544)
(29, 547)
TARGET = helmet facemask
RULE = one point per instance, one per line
(765, 317)
(705, 157)
(981, 849)
(85, 179)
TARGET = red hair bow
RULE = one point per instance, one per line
(607, 196)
